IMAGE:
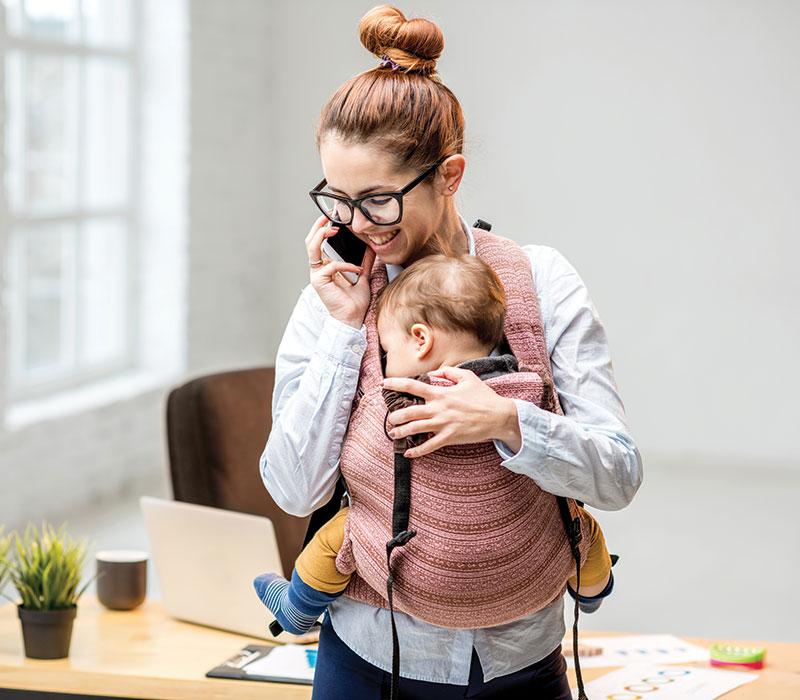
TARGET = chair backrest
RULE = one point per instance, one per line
(217, 426)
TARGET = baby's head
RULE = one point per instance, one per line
(440, 310)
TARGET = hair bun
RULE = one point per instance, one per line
(413, 44)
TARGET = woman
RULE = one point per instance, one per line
(380, 131)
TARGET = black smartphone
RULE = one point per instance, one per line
(345, 246)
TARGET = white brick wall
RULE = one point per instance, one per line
(54, 466)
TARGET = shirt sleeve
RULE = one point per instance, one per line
(588, 453)
(316, 376)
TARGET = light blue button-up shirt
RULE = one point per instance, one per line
(586, 454)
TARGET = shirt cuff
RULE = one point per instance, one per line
(535, 425)
(342, 343)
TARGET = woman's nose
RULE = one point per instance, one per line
(360, 223)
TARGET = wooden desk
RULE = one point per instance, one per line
(141, 653)
(146, 654)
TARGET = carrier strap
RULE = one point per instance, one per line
(573, 528)
(400, 537)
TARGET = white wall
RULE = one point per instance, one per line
(655, 145)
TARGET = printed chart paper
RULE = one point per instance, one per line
(641, 649)
(665, 683)
(288, 661)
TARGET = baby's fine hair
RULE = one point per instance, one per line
(460, 293)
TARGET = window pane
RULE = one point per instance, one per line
(15, 130)
(107, 22)
(103, 288)
(105, 161)
(13, 16)
(42, 131)
(52, 19)
(48, 310)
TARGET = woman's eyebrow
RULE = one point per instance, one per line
(364, 191)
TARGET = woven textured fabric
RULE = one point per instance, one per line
(490, 544)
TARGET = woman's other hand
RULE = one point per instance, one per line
(345, 301)
(467, 411)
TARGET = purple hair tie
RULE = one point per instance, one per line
(387, 62)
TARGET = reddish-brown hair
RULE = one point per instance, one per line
(406, 111)
(460, 293)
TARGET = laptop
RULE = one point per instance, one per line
(206, 559)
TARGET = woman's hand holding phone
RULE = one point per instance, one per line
(346, 302)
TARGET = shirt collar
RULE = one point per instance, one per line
(393, 270)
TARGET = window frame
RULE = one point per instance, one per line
(76, 375)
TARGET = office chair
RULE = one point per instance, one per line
(217, 426)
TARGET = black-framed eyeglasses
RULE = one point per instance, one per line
(382, 208)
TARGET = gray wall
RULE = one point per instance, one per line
(232, 172)
(652, 144)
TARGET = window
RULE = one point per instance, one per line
(71, 105)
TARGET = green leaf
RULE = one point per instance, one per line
(46, 567)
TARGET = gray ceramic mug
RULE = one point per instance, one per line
(121, 578)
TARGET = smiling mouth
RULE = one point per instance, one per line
(384, 239)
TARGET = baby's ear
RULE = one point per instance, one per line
(421, 331)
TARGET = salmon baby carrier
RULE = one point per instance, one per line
(456, 539)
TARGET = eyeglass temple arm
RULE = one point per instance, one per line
(423, 175)
(318, 187)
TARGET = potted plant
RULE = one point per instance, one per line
(45, 568)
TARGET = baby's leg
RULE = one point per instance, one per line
(315, 581)
(597, 581)
(316, 564)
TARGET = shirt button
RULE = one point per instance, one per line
(357, 349)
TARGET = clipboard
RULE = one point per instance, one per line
(288, 663)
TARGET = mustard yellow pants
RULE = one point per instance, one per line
(597, 567)
(316, 564)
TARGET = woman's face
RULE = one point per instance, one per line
(355, 170)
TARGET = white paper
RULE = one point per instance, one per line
(288, 661)
(671, 682)
(647, 649)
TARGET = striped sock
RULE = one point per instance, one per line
(295, 604)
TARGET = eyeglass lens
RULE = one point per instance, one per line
(379, 209)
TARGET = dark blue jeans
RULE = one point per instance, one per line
(341, 674)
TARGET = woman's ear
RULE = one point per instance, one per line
(451, 171)
(422, 336)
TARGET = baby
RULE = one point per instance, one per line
(439, 311)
